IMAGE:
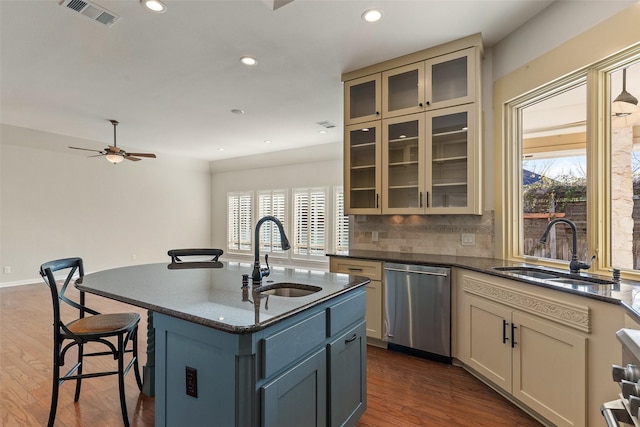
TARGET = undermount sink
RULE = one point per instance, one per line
(552, 277)
(288, 290)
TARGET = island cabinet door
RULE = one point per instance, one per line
(348, 376)
(298, 397)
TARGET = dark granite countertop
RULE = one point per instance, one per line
(213, 296)
(625, 293)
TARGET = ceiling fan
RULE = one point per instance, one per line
(113, 153)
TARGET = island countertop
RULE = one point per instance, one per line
(213, 297)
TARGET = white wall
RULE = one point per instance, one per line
(56, 202)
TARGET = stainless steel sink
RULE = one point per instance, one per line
(553, 277)
(287, 290)
(536, 272)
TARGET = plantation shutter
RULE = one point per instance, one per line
(239, 221)
(341, 224)
(310, 222)
(273, 203)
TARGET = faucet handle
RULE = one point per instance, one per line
(267, 270)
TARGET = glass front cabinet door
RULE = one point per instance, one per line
(362, 175)
(362, 99)
(452, 171)
(403, 90)
(403, 167)
(451, 79)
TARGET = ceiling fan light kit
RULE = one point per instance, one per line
(114, 158)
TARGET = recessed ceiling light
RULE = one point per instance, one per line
(267, 141)
(220, 149)
(237, 111)
(248, 60)
(372, 15)
(154, 5)
(323, 131)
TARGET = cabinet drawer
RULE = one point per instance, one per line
(370, 269)
(347, 312)
(283, 348)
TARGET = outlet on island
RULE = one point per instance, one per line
(374, 236)
(191, 377)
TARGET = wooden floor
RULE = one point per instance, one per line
(402, 390)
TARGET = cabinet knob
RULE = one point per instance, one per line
(420, 105)
(428, 103)
(377, 113)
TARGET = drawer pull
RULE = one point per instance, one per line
(352, 339)
(354, 269)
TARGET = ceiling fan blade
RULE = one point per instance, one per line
(153, 156)
(98, 155)
(135, 159)
(86, 149)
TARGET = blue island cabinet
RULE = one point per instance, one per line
(308, 369)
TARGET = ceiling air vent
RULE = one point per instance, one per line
(326, 124)
(91, 10)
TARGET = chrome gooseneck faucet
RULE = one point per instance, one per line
(259, 272)
(574, 266)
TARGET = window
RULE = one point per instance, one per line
(554, 171)
(313, 219)
(573, 155)
(341, 229)
(309, 228)
(239, 225)
(624, 172)
(273, 203)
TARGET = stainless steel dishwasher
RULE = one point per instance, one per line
(418, 309)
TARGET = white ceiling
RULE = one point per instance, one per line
(172, 79)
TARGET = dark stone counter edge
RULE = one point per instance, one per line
(485, 266)
(355, 282)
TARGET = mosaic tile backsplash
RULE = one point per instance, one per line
(427, 234)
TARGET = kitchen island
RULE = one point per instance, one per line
(227, 356)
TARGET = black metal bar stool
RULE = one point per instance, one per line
(94, 328)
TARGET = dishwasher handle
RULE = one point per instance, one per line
(427, 273)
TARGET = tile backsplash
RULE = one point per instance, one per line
(427, 234)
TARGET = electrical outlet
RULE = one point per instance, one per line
(374, 236)
(7, 269)
(468, 239)
(191, 378)
(133, 257)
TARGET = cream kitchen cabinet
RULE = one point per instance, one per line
(430, 164)
(413, 134)
(439, 82)
(538, 359)
(374, 290)
(362, 99)
(403, 160)
(453, 161)
(362, 163)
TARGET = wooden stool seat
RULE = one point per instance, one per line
(104, 324)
